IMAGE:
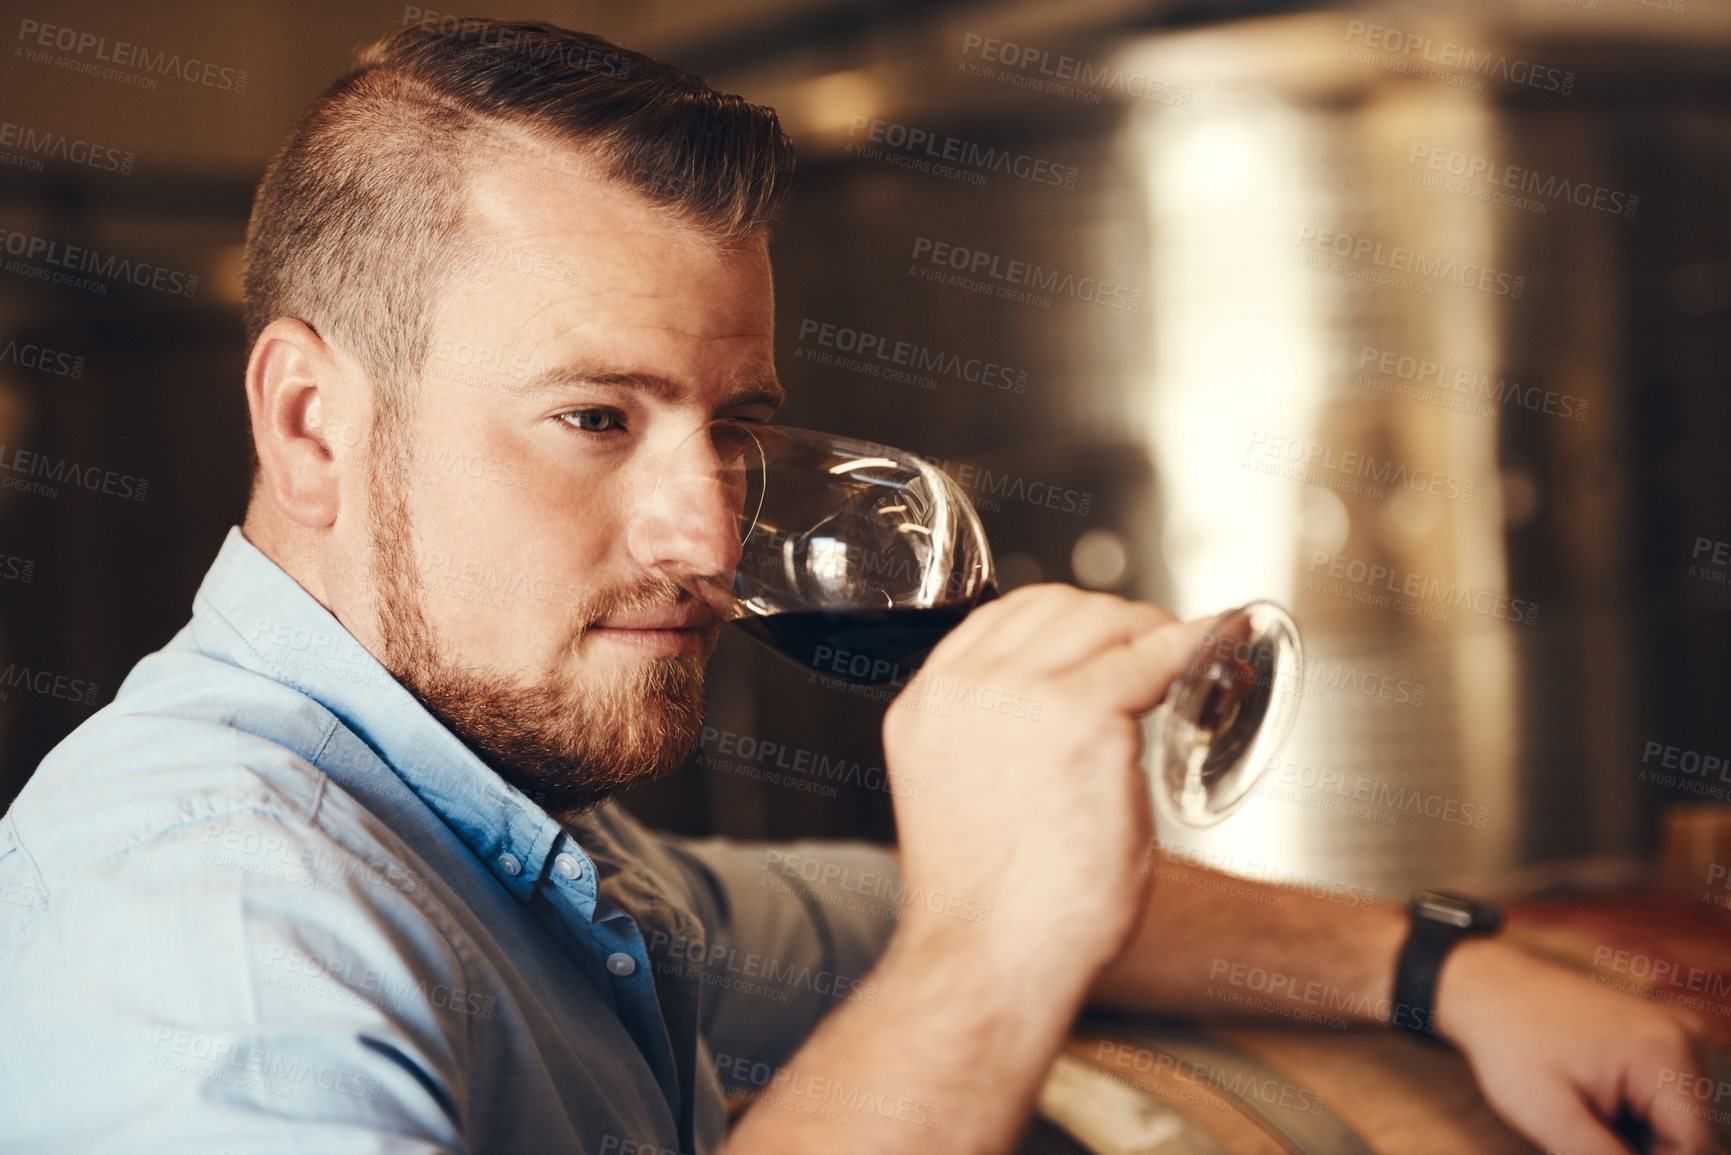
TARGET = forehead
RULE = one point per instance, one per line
(557, 253)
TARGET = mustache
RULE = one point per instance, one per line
(647, 593)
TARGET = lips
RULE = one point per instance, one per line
(695, 616)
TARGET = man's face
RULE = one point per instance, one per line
(586, 338)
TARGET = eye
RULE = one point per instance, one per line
(594, 420)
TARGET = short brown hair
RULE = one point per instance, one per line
(359, 212)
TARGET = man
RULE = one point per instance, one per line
(336, 870)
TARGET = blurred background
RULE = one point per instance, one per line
(1412, 317)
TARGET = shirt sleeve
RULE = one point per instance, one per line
(792, 931)
(240, 984)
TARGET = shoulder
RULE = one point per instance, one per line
(203, 778)
(182, 875)
(189, 740)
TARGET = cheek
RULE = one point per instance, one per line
(506, 568)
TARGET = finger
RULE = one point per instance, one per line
(1678, 1124)
(1571, 1128)
(1679, 1128)
(1017, 615)
(1026, 615)
(1089, 626)
(1136, 675)
(1056, 627)
(1683, 1133)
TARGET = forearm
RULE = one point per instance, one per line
(948, 1058)
(1213, 945)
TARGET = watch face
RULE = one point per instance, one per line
(1454, 910)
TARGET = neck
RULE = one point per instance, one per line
(339, 579)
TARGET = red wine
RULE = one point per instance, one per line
(867, 647)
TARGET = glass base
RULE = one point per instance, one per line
(1228, 714)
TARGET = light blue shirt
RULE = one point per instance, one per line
(265, 902)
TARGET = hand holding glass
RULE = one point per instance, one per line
(855, 559)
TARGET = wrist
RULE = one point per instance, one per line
(996, 964)
(1466, 991)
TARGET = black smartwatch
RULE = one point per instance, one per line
(1439, 921)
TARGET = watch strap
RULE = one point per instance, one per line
(1415, 976)
(1439, 920)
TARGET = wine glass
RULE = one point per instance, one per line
(854, 559)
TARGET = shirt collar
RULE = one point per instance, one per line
(250, 612)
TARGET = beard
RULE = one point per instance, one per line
(567, 743)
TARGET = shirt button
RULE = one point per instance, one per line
(568, 867)
(509, 864)
(621, 964)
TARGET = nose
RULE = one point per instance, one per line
(694, 520)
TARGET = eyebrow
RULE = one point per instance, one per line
(763, 389)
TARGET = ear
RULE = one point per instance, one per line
(295, 388)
